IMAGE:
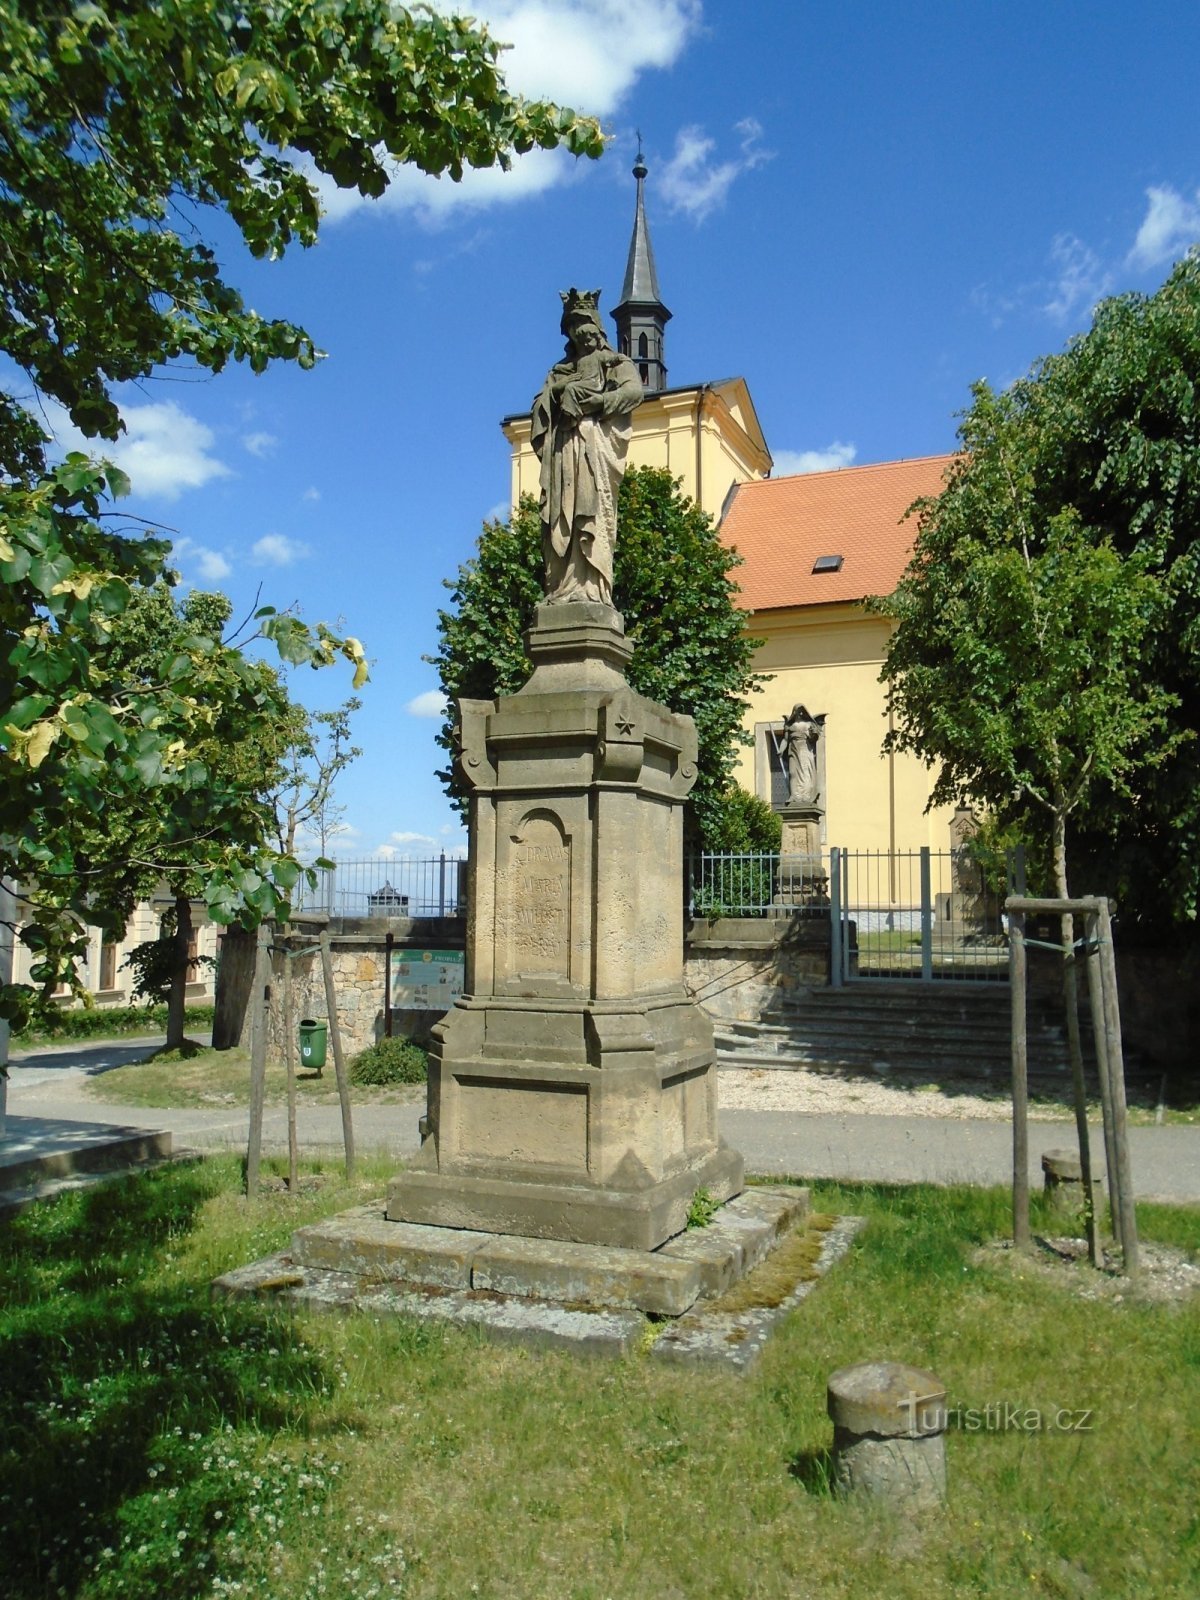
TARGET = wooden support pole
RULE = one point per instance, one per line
(1020, 1082)
(1075, 1050)
(339, 1060)
(1095, 983)
(1116, 1067)
(258, 1055)
(289, 1063)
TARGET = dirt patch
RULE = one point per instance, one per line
(1167, 1274)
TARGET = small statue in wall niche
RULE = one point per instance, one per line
(797, 747)
(581, 436)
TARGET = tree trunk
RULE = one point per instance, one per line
(177, 999)
(235, 980)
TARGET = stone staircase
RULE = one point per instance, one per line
(944, 1030)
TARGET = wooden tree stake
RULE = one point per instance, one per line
(1095, 983)
(1075, 1050)
(258, 1055)
(1020, 1082)
(289, 1062)
(339, 1060)
(1116, 1068)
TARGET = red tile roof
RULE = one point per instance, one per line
(781, 526)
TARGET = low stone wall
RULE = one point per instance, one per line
(746, 968)
(358, 948)
(735, 968)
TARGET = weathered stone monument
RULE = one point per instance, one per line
(572, 1089)
(802, 878)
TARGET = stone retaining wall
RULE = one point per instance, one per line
(741, 968)
(746, 968)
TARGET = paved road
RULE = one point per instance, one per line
(887, 1149)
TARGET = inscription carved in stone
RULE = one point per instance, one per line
(540, 899)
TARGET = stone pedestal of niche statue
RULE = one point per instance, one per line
(573, 1087)
(803, 881)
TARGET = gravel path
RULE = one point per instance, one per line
(823, 1093)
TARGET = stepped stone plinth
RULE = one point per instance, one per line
(572, 1089)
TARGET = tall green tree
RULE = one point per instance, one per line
(1016, 667)
(1047, 654)
(124, 124)
(673, 583)
(211, 828)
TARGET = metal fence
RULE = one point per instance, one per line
(393, 886)
(931, 914)
(892, 913)
(729, 885)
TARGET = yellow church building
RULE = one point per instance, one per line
(814, 547)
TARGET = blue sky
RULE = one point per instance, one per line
(860, 208)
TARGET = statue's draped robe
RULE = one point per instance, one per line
(801, 749)
(582, 461)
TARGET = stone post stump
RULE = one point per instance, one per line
(1063, 1182)
(889, 1424)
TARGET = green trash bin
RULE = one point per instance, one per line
(314, 1038)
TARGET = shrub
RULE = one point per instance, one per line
(390, 1061)
(109, 1022)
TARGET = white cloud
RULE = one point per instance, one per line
(430, 704)
(164, 449)
(583, 53)
(277, 550)
(1082, 277)
(1170, 226)
(790, 462)
(311, 494)
(694, 183)
(205, 563)
(404, 840)
(588, 53)
(433, 200)
(259, 444)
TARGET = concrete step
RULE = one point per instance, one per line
(13, 1201)
(41, 1149)
(900, 1026)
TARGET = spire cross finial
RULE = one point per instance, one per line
(639, 165)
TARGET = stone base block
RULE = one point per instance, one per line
(751, 1226)
(587, 1275)
(631, 1219)
(365, 1243)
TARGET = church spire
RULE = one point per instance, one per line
(641, 316)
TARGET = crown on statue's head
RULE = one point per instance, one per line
(580, 305)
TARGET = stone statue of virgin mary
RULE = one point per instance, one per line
(581, 435)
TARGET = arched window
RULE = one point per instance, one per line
(643, 345)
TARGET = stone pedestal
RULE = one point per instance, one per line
(572, 1089)
(803, 880)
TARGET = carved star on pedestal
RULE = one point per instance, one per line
(624, 726)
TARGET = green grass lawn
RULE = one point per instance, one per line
(154, 1442)
(209, 1079)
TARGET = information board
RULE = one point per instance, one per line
(426, 980)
